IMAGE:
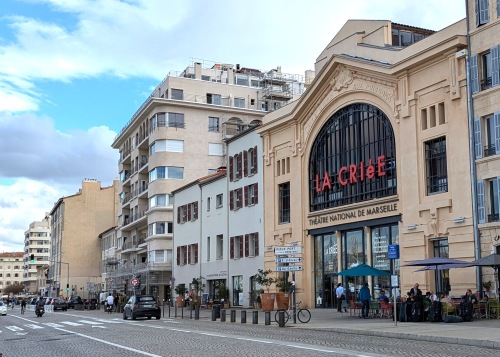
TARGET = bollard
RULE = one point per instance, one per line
(182, 312)
(222, 315)
(233, 315)
(197, 313)
(243, 317)
(281, 318)
(169, 310)
(190, 312)
(214, 316)
(255, 317)
(267, 318)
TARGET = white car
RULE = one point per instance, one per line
(3, 308)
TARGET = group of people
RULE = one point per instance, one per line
(364, 297)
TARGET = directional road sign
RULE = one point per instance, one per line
(288, 260)
(284, 250)
(290, 268)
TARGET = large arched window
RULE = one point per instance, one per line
(352, 159)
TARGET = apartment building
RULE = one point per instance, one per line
(11, 269)
(219, 225)
(174, 138)
(76, 222)
(36, 245)
(375, 153)
(483, 18)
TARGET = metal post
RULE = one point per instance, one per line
(293, 299)
(163, 314)
(281, 318)
(214, 316)
(255, 319)
(267, 318)
(222, 315)
(233, 315)
(243, 317)
(197, 313)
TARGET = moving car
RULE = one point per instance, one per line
(3, 308)
(75, 300)
(60, 304)
(141, 306)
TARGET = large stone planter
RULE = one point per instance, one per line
(267, 301)
(282, 301)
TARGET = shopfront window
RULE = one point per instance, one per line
(326, 268)
(238, 290)
(382, 237)
(442, 277)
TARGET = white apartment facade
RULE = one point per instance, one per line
(174, 138)
(11, 269)
(219, 225)
(36, 244)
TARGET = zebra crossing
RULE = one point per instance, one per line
(60, 324)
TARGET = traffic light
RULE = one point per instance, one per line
(67, 287)
(32, 258)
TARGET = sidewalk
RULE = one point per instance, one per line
(481, 333)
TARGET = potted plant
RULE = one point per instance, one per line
(180, 290)
(224, 296)
(487, 285)
(255, 299)
(283, 294)
(197, 285)
(264, 279)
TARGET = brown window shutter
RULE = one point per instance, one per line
(195, 213)
(185, 254)
(240, 202)
(196, 253)
(247, 245)
(241, 246)
(178, 215)
(245, 163)
(256, 243)
(231, 200)
(231, 168)
(231, 248)
(239, 166)
(189, 212)
(254, 168)
(246, 196)
(178, 256)
(189, 249)
(256, 193)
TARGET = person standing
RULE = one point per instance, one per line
(364, 297)
(340, 292)
(115, 302)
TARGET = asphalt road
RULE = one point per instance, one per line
(95, 333)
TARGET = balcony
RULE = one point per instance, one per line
(495, 217)
(136, 218)
(486, 83)
(490, 150)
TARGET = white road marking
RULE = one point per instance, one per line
(110, 343)
(71, 323)
(14, 328)
(52, 324)
(90, 322)
(33, 326)
(99, 326)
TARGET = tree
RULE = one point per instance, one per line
(13, 289)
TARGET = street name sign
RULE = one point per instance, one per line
(294, 249)
(290, 268)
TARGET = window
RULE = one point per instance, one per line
(159, 201)
(435, 156)
(494, 202)
(242, 80)
(239, 102)
(208, 249)
(482, 12)
(236, 199)
(177, 94)
(166, 172)
(205, 78)
(215, 149)
(166, 146)
(235, 167)
(208, 203)
(193, 253)
(213, 99)
(218, 201)
(251, 245)
(236, 247)
(159, 228)
(255, 83)
(284, 202)
(175, 120)
(486, 70)
(251, 195)
(182, 255)
(250, 162)
(219, 247)
(441, 250)
(213, 124)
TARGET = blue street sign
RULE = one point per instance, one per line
(393, 251)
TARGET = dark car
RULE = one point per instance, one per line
(60, 304)
(75, 300)
(141, 306)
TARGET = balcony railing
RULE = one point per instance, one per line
(495, 217)
(486, 83)
(489, 150)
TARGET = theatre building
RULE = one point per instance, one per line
(375, 153)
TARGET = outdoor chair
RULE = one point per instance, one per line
(374, 309)
(352, 308)
(480, 310)
(448, 309)
(386, 309)
(344, 307)
(494, 309)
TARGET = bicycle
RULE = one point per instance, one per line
(302, 314)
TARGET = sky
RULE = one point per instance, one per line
(73, 73)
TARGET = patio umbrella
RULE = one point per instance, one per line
(492, 261)
(364, 270)
(443, 267)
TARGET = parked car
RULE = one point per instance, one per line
(3, 308)
(60, 304)
(74, 301)
(141, 306)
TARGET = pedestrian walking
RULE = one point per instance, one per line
(364, 297)
(340, 296)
